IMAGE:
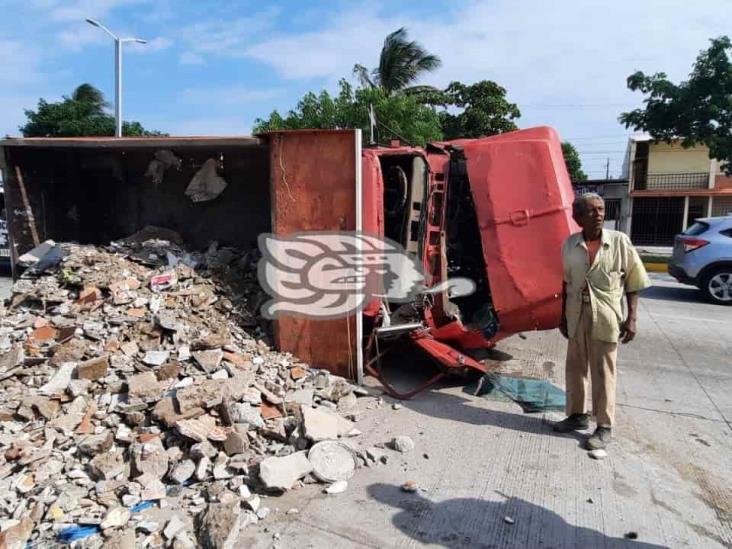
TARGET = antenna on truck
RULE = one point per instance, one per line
(374, 124)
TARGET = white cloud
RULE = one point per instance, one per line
(228, 95)
(83, 35)
(69, 10)
(19, 64)
(190, 58)
(225, 37)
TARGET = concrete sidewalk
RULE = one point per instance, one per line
(667, 479)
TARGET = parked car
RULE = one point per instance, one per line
(703, 257)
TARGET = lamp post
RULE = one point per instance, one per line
(117, 72)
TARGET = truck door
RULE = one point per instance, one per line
(522, 197)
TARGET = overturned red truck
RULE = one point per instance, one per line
(493, 210)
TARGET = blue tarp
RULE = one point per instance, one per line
(533, 395)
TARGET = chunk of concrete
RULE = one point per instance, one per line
(280, 473)
(116, 517)
(60, 381)
(321, 424)
(183, 471)
(220, 526)
(150, 457)
(93, 369)
(402, 444)
(331, 461)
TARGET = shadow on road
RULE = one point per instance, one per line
(471, 522)
(463, 409)
(685, 294)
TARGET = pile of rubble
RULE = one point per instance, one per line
(141, 405)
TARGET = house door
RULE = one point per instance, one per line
(656, 220)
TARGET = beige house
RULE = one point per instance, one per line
(670, 187)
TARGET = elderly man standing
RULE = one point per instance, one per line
(599, 266)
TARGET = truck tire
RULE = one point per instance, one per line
(717, 285)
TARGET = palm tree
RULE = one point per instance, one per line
(86, 93)
(401, 62)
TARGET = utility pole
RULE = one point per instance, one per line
(607, 168)
(117, 72)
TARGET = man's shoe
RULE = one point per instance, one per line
(600, 438)
(575, 422)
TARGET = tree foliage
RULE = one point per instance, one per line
(698, 111)
(398, 115)
(472, 110)
(573, 162)
(402, 62)
(81, 114)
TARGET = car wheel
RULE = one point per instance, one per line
(717, 286)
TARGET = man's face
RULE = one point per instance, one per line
(592, 216)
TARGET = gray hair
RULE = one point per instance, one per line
(578, 206)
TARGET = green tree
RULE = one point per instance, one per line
(397, 115)
(698, 111)
(402, 62)
(472, 110)
(573, 162)
(82, 114)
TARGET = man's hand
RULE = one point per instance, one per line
(628, 330)
(563, 327)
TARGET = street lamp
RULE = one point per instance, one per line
(117, 72)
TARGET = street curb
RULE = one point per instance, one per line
(656, 267)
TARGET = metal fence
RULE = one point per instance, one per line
(656, 220)
(669, 181)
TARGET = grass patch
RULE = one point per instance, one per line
(651, 258)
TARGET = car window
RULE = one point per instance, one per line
(696, 229)
(727, 232)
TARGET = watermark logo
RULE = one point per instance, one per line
(335, 274)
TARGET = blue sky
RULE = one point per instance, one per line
(213, 67)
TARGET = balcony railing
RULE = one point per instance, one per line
(669, 181)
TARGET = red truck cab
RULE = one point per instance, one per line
(495, 210)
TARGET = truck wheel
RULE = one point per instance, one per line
(717, 285)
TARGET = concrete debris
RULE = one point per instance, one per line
(16, 536)
(163, 160)
(59, 381)
(142, 373)
(402, 444)
(206, 183)
(116, 517)
(174, 526)
(281, 473)
(220, 525)
(377, 455)
(320, 424)
(93, 369)
(337, 487)
(331, 461)
(410, 486)
(598, 454)
(183, 471)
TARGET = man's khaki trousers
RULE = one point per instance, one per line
(598, 358)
